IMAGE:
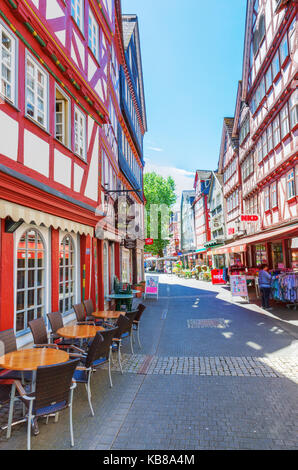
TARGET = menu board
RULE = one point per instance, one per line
(238, 286)
(151, 285)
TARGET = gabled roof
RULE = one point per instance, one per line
(130, 26)
(229, 122)
(202, 175)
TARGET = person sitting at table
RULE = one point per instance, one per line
(265, 280)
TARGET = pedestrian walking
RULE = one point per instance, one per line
(265, 280)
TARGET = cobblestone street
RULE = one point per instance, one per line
(211, 374)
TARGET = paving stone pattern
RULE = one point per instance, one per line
(215, 366)
(210, 375)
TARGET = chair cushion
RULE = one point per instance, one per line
(99, 361)
(15, 375)
(50, 409)
(81, 376)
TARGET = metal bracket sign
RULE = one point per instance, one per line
(151, 285)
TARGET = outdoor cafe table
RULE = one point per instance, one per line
(29, 360)
(79, 331)
(121, 297)
(108, 314)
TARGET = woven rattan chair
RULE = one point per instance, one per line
(79, 310)
(53, 394)
(123, 326)
(98, 354)
(40, 334)
(136, 322)
(129, 331)
(89, 308)
(8, 344)
(56, 322)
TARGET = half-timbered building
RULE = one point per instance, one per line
(59, 117)
(266, 123)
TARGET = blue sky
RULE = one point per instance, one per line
(192, 60)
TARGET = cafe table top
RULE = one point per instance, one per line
(120, 296)
(79, 331)
(112, 314)
(30, 359)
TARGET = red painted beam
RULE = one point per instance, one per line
(6, 278)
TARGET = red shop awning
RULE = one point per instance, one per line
(240, 246)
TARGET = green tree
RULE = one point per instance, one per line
(158, 191)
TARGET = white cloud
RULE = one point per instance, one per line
(155, 149)
(184, 179)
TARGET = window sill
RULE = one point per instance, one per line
(37, 124)
(277, 77)
(267, 211)
(295, 128)
(285, 62)
(277, 146)
(269, 90)
(80, 158)
(286, 137)
(4, 100)
(291, 200)
(63, 145)
(274, 209)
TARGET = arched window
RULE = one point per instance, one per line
(67, 274)
(30, 282)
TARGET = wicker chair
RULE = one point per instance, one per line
(129, 331)
(136, 322)
(81, 315)
(8, 343)
(89, 309)
(56, 322)
(53, 394)
(98, 354)
(123, 326)
(40, 334)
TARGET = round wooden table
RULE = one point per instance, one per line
(30, 359)
(79, 331)
(108, 314)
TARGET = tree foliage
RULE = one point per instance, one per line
(158, 191)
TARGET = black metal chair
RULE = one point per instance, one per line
(136, 322)
(98, 354)
(53, 394)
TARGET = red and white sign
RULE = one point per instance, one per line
(149, 241)
(249, 218)
(231, 231)
(217, 276)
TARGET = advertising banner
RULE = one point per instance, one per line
(217, 276)
(238, 286)
(151, 285)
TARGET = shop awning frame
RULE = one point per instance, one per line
(17, 212)
(240, 246)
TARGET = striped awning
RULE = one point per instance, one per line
(17, 212)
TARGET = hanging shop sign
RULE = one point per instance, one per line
(151, 285)
(149, 241)
(249, 218)
(238, 286)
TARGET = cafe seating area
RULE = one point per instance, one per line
(40, 380)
